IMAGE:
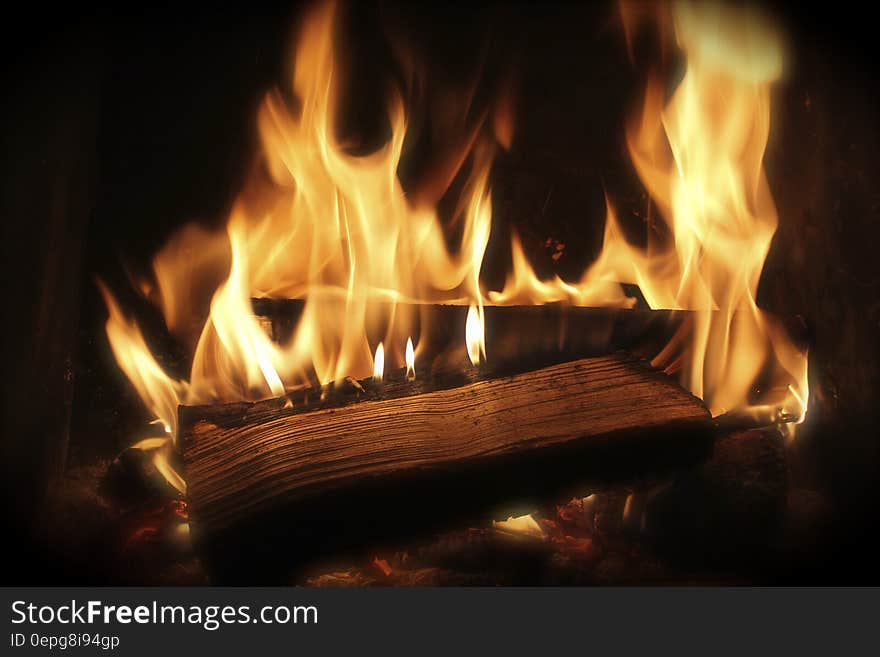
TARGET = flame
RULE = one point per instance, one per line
(379, 363)
(338, 231)
(475, 334)
(323, 225)
(700, 156)
(159, 392)
(701, 159)
(410, 360)
(162, 449)
(234, 352)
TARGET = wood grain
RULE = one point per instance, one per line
(242, 459)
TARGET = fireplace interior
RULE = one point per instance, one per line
(590, 455)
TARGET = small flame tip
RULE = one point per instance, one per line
(379, 363)
(410, 360)
(475, 335)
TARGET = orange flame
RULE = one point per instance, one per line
(159, 392)
(330, 227)
(701, 158)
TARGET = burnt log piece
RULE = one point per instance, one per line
(511, 331)
(729, 509)
(518, 331)
(133, 478)
(322, 471)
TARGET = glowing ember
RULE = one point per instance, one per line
(520, 526)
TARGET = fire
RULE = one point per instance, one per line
(329, 227)
(233, 352)
(700, 157)
(410, 361)
(475, 334)
(159, 392)
(379, 363)
(338, 231)
(161, 450)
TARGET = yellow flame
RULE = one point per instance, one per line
(475, 334)
(700, 156)
(379, 363)
(234, 352)
(701, 159)
(162, 449)
(164, 467)
(159, 392)
(410, 360)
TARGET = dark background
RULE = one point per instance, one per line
(121, 124)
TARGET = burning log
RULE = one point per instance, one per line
(518, 331)
(406, 454)
(515, 330)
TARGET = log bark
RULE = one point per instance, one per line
(423, 450)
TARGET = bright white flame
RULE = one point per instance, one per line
(475, 335)
(379, 363)
(801, 400)
(410, 360)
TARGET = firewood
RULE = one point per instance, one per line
(514, 330)
(415, 451)
(728, 508)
